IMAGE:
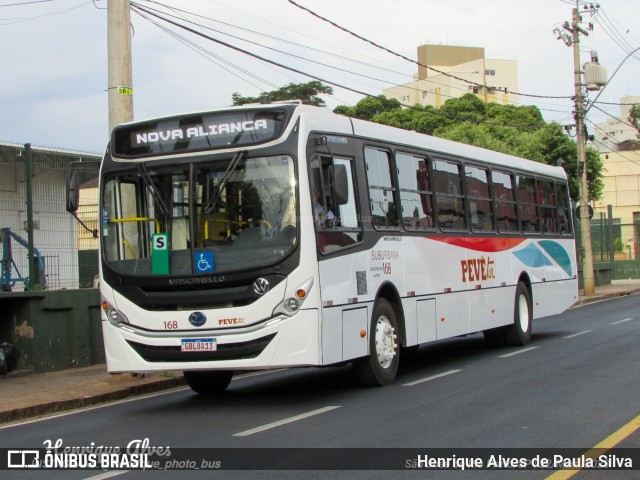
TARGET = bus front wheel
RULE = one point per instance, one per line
(381, 365)
(208, 381)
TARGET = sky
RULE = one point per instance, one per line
(53, 80)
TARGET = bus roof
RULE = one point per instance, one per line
(324, 120)
(321, 119)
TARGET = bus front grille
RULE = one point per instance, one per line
(227, 351)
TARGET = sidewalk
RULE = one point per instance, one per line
(26, 395)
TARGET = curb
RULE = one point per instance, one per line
(596, 298)
(73, 403)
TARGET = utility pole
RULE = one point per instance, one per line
(585, 222)
(120, 79)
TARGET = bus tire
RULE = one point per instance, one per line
(208, 381)
(380, 367)
(519, 333)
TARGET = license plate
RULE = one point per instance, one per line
(198, 345)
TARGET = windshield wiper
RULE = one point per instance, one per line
(148, 182)
(233, 164)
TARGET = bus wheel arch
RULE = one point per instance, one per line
(389, 292)
(517, 333)
(386, 328)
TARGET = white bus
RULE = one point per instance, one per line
(273, 236)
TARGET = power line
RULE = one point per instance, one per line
(25, 3)
(12, 21)
(208, 55)
(612, 116)
(281, 65)
(325, 52)
(299, 45)
(408, 87)
(324, 19)
(610, 29)
(275, 49)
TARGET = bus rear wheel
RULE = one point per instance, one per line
(208, 381)
(519, 333)
(380, 367)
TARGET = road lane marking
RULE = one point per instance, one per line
(578, 334)
(517, 352)
(621, 321)
(108, 404)
(285, 421)
(433, 377)
(105, 475)
(608, 443)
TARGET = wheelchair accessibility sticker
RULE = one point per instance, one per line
(204, 261)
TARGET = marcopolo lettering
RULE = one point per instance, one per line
(198, 131)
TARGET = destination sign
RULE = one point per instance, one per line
(200, 132)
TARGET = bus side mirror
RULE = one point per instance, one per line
(339, 184)
(73, 192)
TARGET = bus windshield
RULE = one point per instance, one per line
(200, 218)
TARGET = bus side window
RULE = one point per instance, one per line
(563, 209)
(384, 211)
(527, 204)
(449, 195)
(334, 206)
(547, 206)
(506, 216)
(416, 197)
(480, 201)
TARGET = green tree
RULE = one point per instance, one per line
(420, 119)
(516, 130)
(308, 93)
(634, 118)
(368, 107)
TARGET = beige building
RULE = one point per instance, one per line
(616, 130)
(621, 183)
(622, 192)
(465, 70)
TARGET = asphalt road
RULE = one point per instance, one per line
(576, 384)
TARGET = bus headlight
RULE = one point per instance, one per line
(293, 302)
(114, 316)
(291, 305)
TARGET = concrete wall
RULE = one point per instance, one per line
(53, 330)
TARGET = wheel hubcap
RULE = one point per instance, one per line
(523, 313)
(385, 342)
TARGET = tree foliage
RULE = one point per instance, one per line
(308, 93)
(634, 118)
(516, 130)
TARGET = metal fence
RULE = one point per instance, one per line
(56, 236)
(615, 243)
